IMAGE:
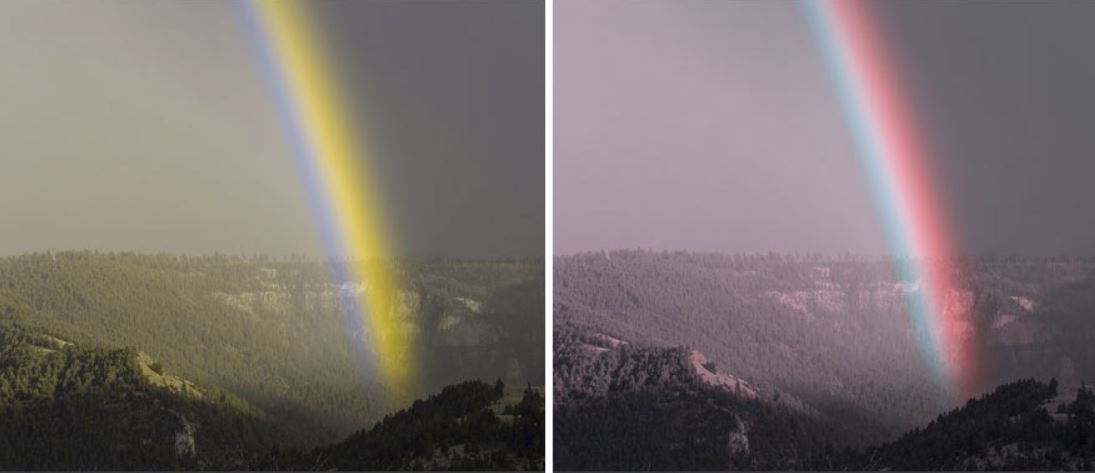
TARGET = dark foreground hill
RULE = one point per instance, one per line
(626, 406)
(67, 407)
(622, 406)
(1025, 425)
(468, 426)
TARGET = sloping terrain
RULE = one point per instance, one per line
(682, 360)
(1012, 428)
(63, 406)
(274, 333)
(834, 332)
(468, 426)
(622, 405)
(68, 407)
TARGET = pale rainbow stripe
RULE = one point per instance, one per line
(894, 153)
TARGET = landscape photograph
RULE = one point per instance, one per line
(823, 235)
(272, 235)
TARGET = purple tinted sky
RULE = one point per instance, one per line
(712, 126)
(702, 126)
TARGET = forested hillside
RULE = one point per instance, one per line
(273, 332)
(68, 407)
(1025, 425)
(468, 426)
(626, 406)
(64, 407)
(834, 332)
(688, 361)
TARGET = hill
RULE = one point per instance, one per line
(1023, 425)
(274, 333)
(638, 406)
(66, 407)
(468, 426)
(622, 405)
(834, 332)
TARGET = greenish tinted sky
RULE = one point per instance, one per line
(145, 126)
(139, 126)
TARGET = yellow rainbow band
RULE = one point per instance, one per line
(341, 168)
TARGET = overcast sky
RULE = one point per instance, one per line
(713, 126)
(145, 126)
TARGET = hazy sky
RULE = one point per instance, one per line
(713, 126)
(145, 125)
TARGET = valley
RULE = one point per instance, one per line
(264, 341)
(824, 344)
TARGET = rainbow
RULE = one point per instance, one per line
(329, 157)
(894, 155)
